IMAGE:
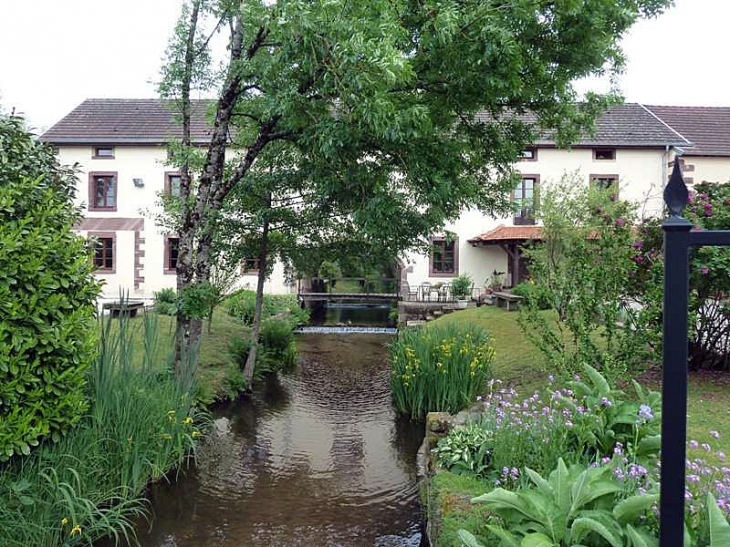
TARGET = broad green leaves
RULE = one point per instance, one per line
(47, 296)
(568, 509)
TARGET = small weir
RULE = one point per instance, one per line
(316, 457)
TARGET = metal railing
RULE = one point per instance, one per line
(350, 286)
(678, 239)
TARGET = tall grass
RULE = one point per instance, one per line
(440, 368)
(89, 485)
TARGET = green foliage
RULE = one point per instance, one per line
(238, 349)
(241, 306)
(466, 450)
(574, 505)
(609, 418)
(439, 368)
(276, 335)
(90, 484)
(329, 269)
(47, 295)
(534, 295)
(279, 349)
(234, 381)
(166, 302)
(461, 286)
(198, 300)
(583, 269)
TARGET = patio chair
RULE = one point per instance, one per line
(425, 289)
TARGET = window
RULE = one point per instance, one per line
(172, 245)
(606, 182)
(172, 184)
(604, 154)
(103, 153)
(102, 191)
(444, 258)
(524, 198)
(104, 254)
(250, 265)
(529, 154)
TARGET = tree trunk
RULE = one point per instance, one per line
(256, 326)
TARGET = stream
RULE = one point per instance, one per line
(316, 457)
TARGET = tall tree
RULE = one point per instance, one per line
(404, 112)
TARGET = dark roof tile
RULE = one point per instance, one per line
(126, 121)
(707, 127)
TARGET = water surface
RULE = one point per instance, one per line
(315, 458)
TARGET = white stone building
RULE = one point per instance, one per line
(119, 146)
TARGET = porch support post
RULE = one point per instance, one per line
(513, 254)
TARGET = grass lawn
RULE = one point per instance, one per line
(214, 357)
(518, 362)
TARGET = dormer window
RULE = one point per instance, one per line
(604, 154)
(529, 154)
(103, 153)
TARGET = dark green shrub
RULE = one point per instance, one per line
(241, 305)
(536, 295)
(234, 381)
(166, 302)
(47, 295)
(239, 349)
(461, 286)
(328, 270)
(276, 335)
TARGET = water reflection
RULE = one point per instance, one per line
(316, 458)
(352, 314)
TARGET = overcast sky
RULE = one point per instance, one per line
(56, 53)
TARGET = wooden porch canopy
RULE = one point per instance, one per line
(510, 239)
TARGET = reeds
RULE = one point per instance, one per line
(141, 424)
(439, 368)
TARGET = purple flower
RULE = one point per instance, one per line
(606, 402)
(706, 447)
(645, 414)
(721, 455)
(620, 222)
(551, 378)
(618, 449)
(638, 259)
(569, 424)
(714, 434)
(638, 244)
(694, 444)
(704, 270)
(576, 377)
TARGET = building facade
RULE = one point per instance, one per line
(119, 146)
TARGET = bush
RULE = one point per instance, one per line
(329, 270)
(276, 335)
(91, 483)
(241, 305)
(234, 381)
(166, 302)
(440, 368)
(238, 349)
(47, 295)
(279, 349)
(534, 295)
(461, 286)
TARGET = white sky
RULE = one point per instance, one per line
(56, 53)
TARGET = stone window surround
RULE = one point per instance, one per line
(92, 191)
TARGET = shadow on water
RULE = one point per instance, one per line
(315, 458)
(357, 314)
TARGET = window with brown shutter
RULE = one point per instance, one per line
(102, 191)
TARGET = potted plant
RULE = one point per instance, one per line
(461, 289)
(496, 281)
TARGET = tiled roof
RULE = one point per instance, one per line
(508, 233)
(707, 127)
(628, 124)
(120, 121)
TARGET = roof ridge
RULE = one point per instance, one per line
(666, 125)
